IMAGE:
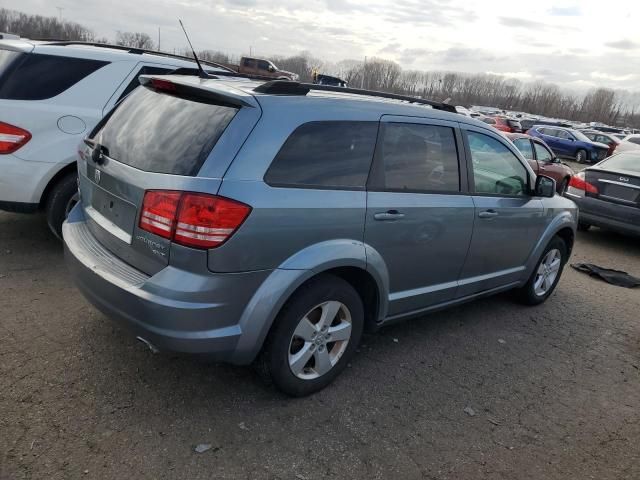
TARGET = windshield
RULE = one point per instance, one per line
(623, 161)
(635, 140)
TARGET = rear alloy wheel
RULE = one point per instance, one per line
(62, 198)
(546, 274)
(581, 156)
(314, 336)
(320, 340)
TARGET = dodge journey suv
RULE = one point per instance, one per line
(274, 222)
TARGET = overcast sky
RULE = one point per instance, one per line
(575, 43)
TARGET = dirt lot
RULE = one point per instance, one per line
(554, 390)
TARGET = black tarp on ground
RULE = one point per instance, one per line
(614, 277)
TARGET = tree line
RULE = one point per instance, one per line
(540, 98)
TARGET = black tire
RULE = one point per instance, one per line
(60, 201)
(562, 186)
(581, 156)
(527, 294)
(583, 227)
(273, 363)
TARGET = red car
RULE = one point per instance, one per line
(542, 159)
(602, 137)
(504, 124)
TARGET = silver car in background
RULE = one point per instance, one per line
(275, 222)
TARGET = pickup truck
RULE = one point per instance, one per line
(262, 67)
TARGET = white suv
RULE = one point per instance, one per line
(52, 94)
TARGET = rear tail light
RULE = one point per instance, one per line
(159, 212)
(579, 186)
(12, 138)
(195, 220)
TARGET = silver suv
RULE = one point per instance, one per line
(275, 222)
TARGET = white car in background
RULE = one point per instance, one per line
(463, 110)
(52, 94)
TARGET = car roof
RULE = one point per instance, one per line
(243, 91)
(105, 52)
(515, 136)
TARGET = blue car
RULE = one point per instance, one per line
(568, 142)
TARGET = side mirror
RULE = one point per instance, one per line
(545, 186)
(271, 69)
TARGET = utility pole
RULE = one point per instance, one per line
(363, 69)
(158, 38)
(250, 51)
(60, 9)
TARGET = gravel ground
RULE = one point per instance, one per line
(487, 390)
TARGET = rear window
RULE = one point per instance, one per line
(623, 161)
(325, 155)
(38, 77)
(162, 133)
(6, 60)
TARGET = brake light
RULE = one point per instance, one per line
(578, 182)
(12, 138)
(196, 220)
(159, 212)
(163, 85)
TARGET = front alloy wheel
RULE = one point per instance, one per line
(546, 275)
(547, 272)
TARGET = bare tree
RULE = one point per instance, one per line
(135, 40)
(40, 27)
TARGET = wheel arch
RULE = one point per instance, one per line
(261, 311)
(564, 226)
(63, 172)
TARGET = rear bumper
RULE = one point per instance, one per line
(610, 216)
(173, 310)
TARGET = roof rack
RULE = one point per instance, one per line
(137, 51)
(285, 87)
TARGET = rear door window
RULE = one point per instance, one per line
(325, 155)
(417, 158)
(39, 77)
(163, 133)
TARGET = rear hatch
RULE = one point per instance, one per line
(171, 135)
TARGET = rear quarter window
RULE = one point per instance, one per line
(163, 133)
(39, 77)
(325, 155)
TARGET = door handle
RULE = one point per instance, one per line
(488, 214)
(388, 216)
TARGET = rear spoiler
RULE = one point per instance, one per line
(16, 45)
(221, 93)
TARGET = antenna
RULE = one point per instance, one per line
(203, 74)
